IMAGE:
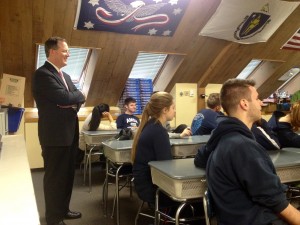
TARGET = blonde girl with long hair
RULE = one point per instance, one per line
(151, 142)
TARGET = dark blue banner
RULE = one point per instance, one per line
(146, 17)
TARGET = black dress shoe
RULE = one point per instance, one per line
(72, 215)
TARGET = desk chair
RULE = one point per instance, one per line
(293, 196)
(178, 218)
(208, 209)
(93, 147)
(140, 213)
(117, 171)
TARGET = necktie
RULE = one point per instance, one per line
(62, 77)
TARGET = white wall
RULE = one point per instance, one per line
(185, 96)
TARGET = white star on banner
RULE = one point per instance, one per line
(94, 2)
(173, 2)
(89, 25)
(167, 33)
(152, 31)
(177, 11)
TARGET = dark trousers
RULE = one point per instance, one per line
(278, 222)
(59, 164)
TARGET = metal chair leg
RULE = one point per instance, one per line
(138, 213)
(105, 191)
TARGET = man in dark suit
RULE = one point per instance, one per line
(58, 102)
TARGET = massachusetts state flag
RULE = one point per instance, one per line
(293, 43)
(143, 17)
(248, 21)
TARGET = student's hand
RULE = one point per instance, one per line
(108, 115)
(186, 132)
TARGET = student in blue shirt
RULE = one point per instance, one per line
(210, 115)
(127, 119)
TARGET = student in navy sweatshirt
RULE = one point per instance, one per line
(240, 174)
(151, 143)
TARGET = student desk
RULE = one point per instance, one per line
(180, 180)
(96, 137)
(287, 164)
(93, 139)
(118, 151)
(180, 148)
(292, 149)
(118, 154)
(187, 146)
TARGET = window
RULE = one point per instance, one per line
(140, 81)
(291, 82)
(147, 65)
(248, 70)
(76, 63)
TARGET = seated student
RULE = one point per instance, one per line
(127, 119)
(262, 133)
(151, 143)
(93, 122)
(241, 177)
(180, 131)
(272, 123)
(265, 136)
(209, 121)
(286, 125)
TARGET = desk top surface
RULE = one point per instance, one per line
(127, 144)
(291, 149)
(100, 132)
(185, 168)
(191, 140)
(118, 145)
(286, 157)
(179, 168)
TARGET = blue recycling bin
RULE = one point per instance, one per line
(14, 118)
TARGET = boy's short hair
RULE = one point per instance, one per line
(129, 100)
(213, 100)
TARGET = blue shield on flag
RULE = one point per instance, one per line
(143, 17)
(252, 25)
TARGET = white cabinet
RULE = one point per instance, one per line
(34, 151)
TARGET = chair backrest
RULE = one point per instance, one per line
(208, 207)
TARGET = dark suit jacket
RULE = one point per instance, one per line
(56, 126)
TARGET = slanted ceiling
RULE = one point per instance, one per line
(206, 60)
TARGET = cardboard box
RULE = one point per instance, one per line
(12, 89)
